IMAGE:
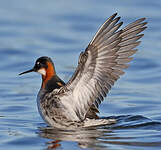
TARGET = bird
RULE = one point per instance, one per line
(100, 65)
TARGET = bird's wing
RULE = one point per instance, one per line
(102, 63)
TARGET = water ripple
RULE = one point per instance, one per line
(61, 30)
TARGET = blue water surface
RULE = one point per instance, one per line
(61, 30)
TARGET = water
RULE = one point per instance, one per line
(61, 30)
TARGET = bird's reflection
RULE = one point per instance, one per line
(85, 137)
(126, 132)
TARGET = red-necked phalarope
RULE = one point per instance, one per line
(100, 65)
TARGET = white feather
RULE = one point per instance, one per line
(42, 71)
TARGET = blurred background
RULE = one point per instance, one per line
(61, 30)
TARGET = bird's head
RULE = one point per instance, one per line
(44, 66)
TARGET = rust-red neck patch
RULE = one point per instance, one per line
(50, 72)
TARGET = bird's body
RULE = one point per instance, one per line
(99, 66)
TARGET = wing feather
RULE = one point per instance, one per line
(101, 64)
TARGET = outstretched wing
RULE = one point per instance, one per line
(101, 64)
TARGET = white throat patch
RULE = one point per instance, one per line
(42, 71)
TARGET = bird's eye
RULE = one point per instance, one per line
(38, 64)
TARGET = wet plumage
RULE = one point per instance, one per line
(99, 66)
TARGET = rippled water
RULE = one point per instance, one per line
(61, 30)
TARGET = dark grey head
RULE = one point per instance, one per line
(42, 65)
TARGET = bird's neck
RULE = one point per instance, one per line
(50, 80)
(49, 74)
